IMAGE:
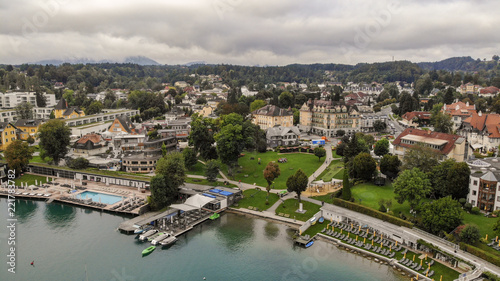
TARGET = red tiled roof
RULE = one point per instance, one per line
(463, 109)
(489, 90)
(422, 115)
(429, 134)
(490, 122)
(95, 138)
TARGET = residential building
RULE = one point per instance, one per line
(482, 131)
(8, 132)
(447, 146)
(367, 120)
(27, 128)
(416, 119)
(205, 110)
(469, 88)
(271, 115)
(277, 136)
(490, 91)
(12, 99)
(122, 124)
(140, 163)
(459, 111)
(90, 144)
(42, 113)
(324, 117)
(105, 116)
(484, 187)
(62, 110)
(8, 115)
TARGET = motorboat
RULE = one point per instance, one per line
(154, 236)
(169, 240)
(214, 216)
(142, 229)
(146, 234)
(309, 244)
(159, 238)
(148, 250)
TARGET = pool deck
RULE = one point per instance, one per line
(63, 194)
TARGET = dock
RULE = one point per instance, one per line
(303, 240)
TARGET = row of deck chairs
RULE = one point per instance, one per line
(494, 244)
(417, 267)
(81, 201)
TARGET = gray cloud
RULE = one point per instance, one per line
(274, 32)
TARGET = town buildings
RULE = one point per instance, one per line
(277, 136)
(62, 110)
(482, 131)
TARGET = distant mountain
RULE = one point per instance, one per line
(201, 62)
(140, 60)
(459, 63)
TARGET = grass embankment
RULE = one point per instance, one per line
(206, 182)
(30, 179)
(251, 172)
(334, 171)
(290, 206)
(256, 198)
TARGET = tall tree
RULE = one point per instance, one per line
(271, 172)
(449, 96)
(390, 165)
(94, 108)
(412, 186)
(172, 168)
(54, 139)
(319, 152)
(363, 167)
(212, 170)
(297, 182)
(422, 157)
(346, 187)
(470, 234)
(442, 215)
(230, 144)
(286, 100)
(18, 155)
(163, 192)
(201, 136)
(24, 110)
(381, 147)
(256, 104)
(379, 126)
(41, 99)
(190, 158)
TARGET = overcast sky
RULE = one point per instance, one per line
(264, 32)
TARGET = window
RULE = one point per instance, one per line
(475, 182)
(474, 192)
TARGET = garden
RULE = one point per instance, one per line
(250, 171)
(256, 199)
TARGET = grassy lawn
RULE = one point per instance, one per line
(484, 224)
(30, 179)
(198, 169)
(333, 169)
(38, 159)
(334, 154)
(307, 162)
(339, 175)
(368, 194)
(257, 198)
(325, 198)
(292, 205)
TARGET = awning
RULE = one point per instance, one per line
(183, 207)
(476, 145)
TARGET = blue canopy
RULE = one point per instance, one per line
(215, 190)
(225, 193)
(209, 195)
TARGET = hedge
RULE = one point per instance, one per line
(371, 212)
(480, 253)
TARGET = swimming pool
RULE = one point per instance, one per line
(95, 196)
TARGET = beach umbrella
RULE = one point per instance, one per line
(364, 240)
(413, 257)
(372, 242)
(47, 179)
(36, 182)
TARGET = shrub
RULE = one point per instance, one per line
(475, 211)
(78, 163)
(468, 206)
(462, 201)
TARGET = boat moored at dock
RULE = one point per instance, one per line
(169, 240)
(159, 238)
(148, 233)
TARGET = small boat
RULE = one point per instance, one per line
(142, 229)
(154, 236)
(321, 220)
(313, 220)
(214, 216)
(148, 233)
(159, 238)
(309, 244)
(148, 250)
(168, 241)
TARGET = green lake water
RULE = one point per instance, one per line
(70, 243)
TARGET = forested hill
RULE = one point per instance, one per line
(460, 63)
